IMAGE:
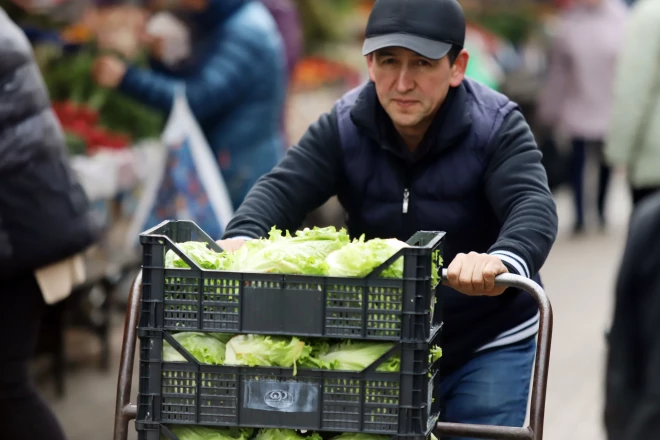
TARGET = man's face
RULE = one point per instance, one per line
(410, 87)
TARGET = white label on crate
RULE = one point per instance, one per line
(269, 395)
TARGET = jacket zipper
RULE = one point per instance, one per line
(406, 204)
(406, 200)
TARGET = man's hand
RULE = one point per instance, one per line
(231, 244)
(474, 274)
(154, 44)
(108, 71)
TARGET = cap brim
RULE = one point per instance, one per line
(431, 49)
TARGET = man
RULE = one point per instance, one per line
(420, 147)
(235, 84)
(632, 140)
(632, 406)
(576, 99)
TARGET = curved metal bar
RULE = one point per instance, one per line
(539, 378)
(125, 411)
(484, 431)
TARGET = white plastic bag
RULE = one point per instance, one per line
(186, 183)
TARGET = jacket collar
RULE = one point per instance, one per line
(451, 123)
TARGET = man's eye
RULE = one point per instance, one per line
(423, 63)
(388, 61)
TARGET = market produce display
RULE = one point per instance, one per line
(93, 117)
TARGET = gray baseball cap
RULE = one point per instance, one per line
(427, 27)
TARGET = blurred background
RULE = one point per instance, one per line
(524, 48)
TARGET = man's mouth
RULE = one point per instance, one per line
(404, 103)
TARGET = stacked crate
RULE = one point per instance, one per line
(369, 309)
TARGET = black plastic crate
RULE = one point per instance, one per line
(370, 308)
(396, 404)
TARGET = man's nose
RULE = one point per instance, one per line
(405, 82)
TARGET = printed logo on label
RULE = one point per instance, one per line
(278, 399)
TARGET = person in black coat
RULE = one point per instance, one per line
(44, 219)
(632, 407)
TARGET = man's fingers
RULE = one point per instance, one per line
(490, 271)
(478, 280)
(454, 270)
(474, 274)
(467, 273)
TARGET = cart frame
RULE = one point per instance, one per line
(126, 411)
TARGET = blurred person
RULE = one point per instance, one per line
(45, 223)
(633, 140)
(421, 147)
(576, 99)
(632, 398)
(286, 16)
(234, 80)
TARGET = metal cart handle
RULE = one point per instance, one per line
(539, 379)
(125, 411)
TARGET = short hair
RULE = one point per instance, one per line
(453, 53)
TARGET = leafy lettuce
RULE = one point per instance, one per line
(285, 352)
(266, 351)
(207, 348)
(285, 434)
(356, 356)
(199, 253)
(318, 251)
(304, 254)
(203, 433)
(360, 258)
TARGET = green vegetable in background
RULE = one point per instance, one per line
(203, 433)
(205, 347)
(285, 434)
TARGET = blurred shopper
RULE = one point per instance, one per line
(235, 84)
(632, 407)
(44, 223)
(633, 141)
(286, 16)
(576, 99)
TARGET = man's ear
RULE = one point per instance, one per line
(458, 69)
(370, 65)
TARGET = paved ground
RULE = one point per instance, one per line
(578, 275)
